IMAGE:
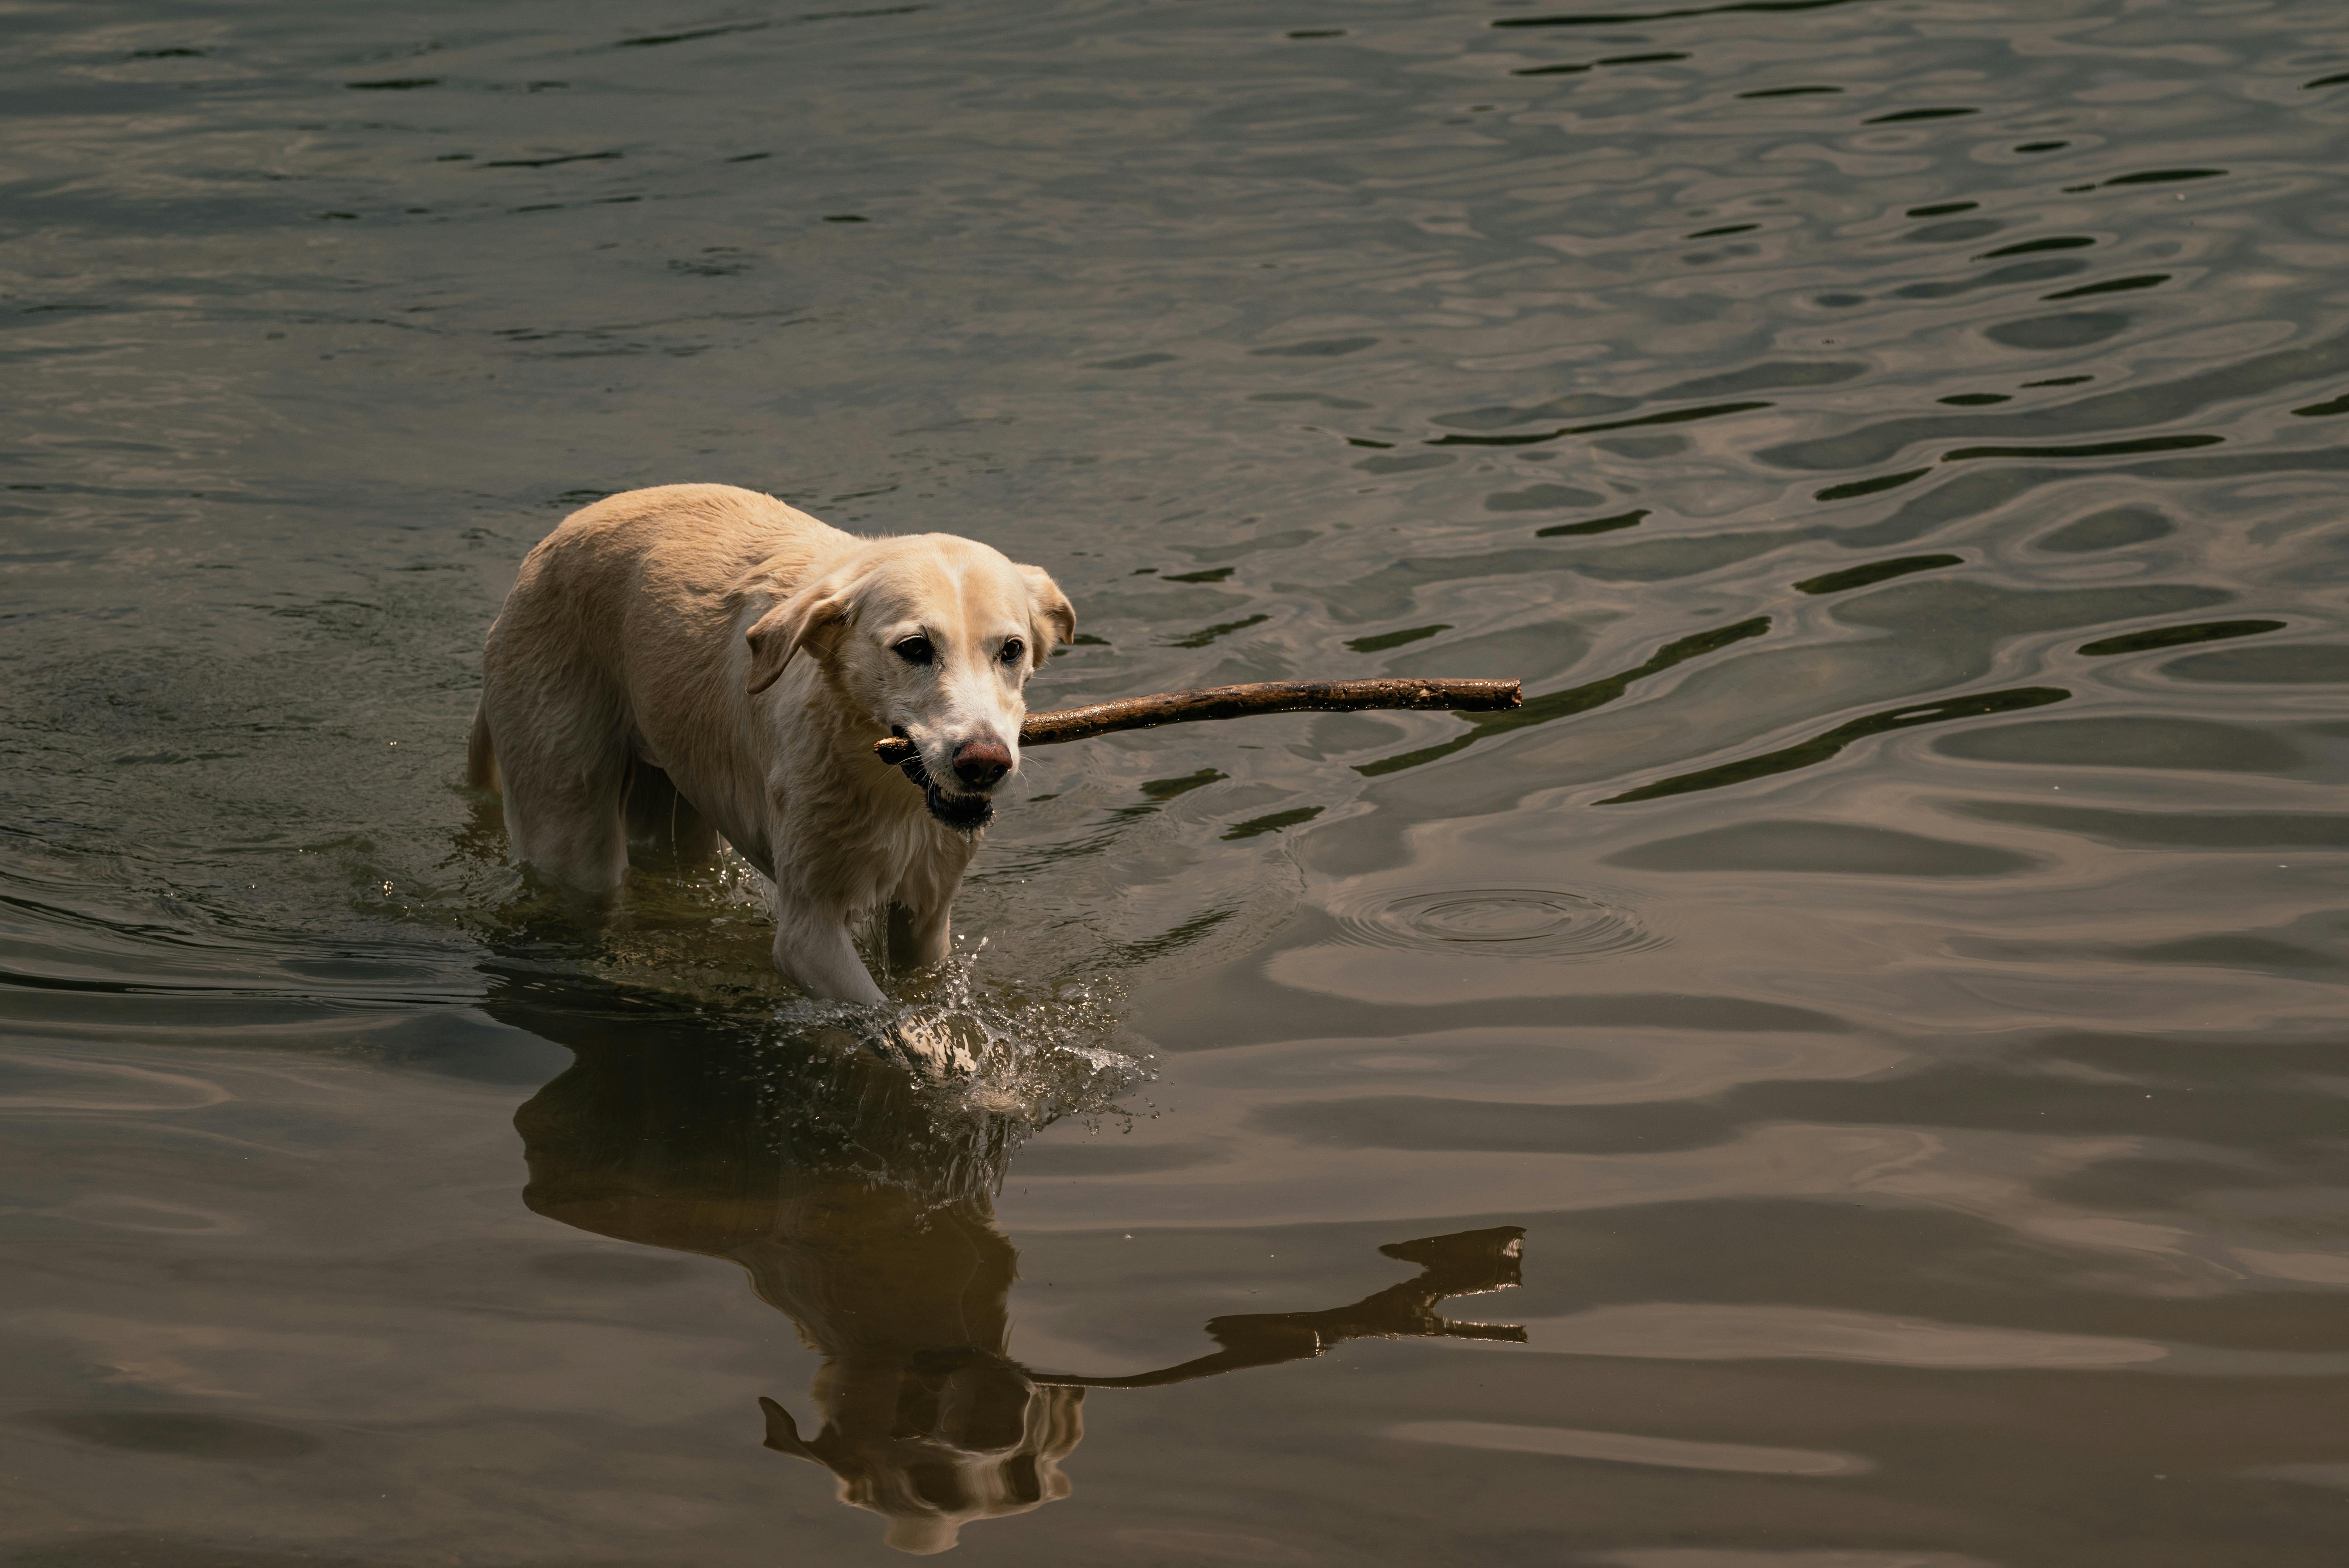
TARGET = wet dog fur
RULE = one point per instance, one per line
(712, 663)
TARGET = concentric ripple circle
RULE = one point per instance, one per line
(1502, 923)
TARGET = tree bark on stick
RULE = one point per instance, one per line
(1242, 701)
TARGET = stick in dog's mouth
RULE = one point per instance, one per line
(1400, 694)
(963, 813)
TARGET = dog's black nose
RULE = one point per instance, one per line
(979, 763)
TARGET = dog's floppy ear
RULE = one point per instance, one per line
(1053, 617)
(810, 619)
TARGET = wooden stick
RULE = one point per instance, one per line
(1241, 701)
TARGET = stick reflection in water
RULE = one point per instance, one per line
(859, 1197)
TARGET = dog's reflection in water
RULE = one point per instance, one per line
(861, 1205)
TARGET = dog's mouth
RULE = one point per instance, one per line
(963, 813)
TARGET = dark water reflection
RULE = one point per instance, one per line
(1891, 972)
(860, 1201)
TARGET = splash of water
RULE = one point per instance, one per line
(937, 1090)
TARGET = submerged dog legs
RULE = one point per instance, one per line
(918, 936)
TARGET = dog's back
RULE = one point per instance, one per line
(629, 607)
(637, 572)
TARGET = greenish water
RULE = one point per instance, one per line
(1851, 1076)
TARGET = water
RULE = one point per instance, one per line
(1851, 1076)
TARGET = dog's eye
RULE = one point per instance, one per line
(1012, 650)
(916, 651)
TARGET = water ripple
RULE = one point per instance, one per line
(1503, 922)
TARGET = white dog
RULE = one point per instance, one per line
(698, 660)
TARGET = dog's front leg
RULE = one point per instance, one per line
(921, 914)
(814, 952)
(919, 937)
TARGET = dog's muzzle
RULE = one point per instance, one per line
(963, 813)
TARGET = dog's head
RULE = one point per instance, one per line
(932, 637)
(931, 1452)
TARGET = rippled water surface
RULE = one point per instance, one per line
(1852, 1074)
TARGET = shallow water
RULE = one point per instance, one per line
(1851, 1076)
